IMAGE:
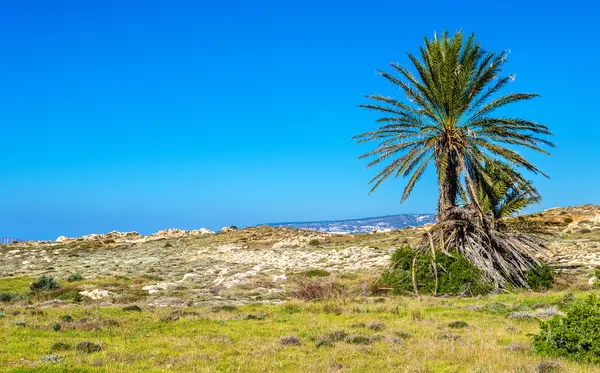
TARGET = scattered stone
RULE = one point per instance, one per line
(592, 281)
(168, 302)
(191, 277)
(52, 303)
(95, 294)
(548, 311)
(521, 315)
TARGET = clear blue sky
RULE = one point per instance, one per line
(141, 116)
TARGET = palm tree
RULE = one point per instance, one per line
(505, 193)
(449, 118)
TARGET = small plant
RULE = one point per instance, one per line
(67, 318)
(60, 346)
(290, 340)
(416, 315)
(50, 359)
(75, 277)
(323, 342)
(316, 273)
(225, 308)
(56, 327)
(376, 326)
(314, 290)
(402, 334)
(44, 283)
(573, 335)
(260, 316)
(359, 339)
(458, 324)
(314, 242)
(132, 308)
(546, 366)
(88, 347)
(596, 284)
(6, 297)
(337, 335)
(21, 323)
(568, 220)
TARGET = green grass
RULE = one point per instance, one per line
(225, 339)
(15, 285)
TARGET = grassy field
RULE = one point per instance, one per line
(364, 334)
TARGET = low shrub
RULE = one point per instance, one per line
(6, 297)
(289, 340)
(60, 346)
(456, 275)
(316, 273)
(376, 326)
(539, 277)
(315, 290)
(359, 339)
(132, 308)
(573, 335)
(44, 283)
(337, 335)
(88, 347)
(314, 242)
(75, 277)
(458, 324)
(546, 366)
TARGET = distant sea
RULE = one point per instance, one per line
(364, 225)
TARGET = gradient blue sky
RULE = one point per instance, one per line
(145, 115)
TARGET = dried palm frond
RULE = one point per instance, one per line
(503, 256)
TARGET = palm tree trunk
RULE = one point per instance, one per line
(448, 188)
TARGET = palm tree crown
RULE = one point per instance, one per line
(448, 118)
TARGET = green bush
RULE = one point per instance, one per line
(573, 335)
(44, 283)
(75, 277)
(456, 274)
(596, 284)
(539, 277)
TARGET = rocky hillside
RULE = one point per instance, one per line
(259, 263)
